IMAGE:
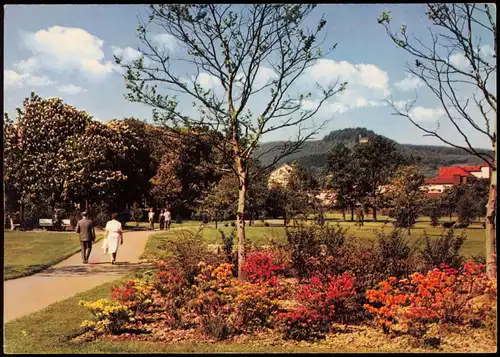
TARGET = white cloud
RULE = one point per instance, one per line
(425, 114)
(367, 85)
(166, 41)
(207, 81)
(486, 51)
(366, 76)
(459, 61)
(15, 79)
(401, 104)
(264, 74)
(71, 89)
(127, 54)
(66, 50)
(409, 83)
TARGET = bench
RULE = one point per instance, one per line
(66, 224)
(45, 222)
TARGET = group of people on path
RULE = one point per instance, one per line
(165, 219)
(113, 237)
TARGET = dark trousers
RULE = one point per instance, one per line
(162, 224)
(168, 223)
(86, 249)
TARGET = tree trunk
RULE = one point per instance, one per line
(343, 214)
(490, 223)
(352, 214)
(374, 213)
(241, 221)
(216, 224)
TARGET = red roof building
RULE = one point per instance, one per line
(452, 176)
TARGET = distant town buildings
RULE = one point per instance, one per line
(452, 176)
(280, 176)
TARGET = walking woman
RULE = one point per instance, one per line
(113, 237)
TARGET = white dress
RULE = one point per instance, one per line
(112, 241)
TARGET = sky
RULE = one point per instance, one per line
(67, 51)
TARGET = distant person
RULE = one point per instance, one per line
(168, 218)
(151, 217)
(361, 216)
(113, 237)
(162, 220)
(87, 236)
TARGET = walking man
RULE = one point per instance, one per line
(87, 236)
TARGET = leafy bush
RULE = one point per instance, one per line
(395, 253)
(266, 224)
(187, 250)
(228, 243)
(310, 244)
(442, 250)
(448, 224)
(233, 224)
(215, 325)
(461, 225)
(441, 296)
(108, 316)
(101, 219)
(260, 266)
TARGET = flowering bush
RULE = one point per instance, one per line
(137, 295)
(213, 297)
(322, 302)
(303, 324)
(260, 266)
(441, 296)
(256, 305)
(108, 316)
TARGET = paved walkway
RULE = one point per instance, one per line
(26, 295)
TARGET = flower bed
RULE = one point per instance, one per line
(425, 307)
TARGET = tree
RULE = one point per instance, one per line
(219, 201)
(231, 47)
(299, 193)
(187, 168)
(343, 177)
(375, 163)
(57, 155)
(406, 197)
(465, 91)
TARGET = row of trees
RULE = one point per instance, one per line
(56, 156)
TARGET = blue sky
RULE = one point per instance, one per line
(67, 51)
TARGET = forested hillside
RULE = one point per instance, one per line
(313, 153)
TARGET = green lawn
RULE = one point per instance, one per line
(26, 253)
(260, 235)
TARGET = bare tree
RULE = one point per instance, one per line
(457, 62)
(231, 44)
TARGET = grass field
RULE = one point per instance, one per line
(26, 253)
(260, 235)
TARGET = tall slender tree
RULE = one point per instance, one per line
(459, 66)
(230, 45)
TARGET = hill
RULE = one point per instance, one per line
(313, 154)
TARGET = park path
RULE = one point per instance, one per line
(26, 295)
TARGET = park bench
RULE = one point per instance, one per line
(45, 223)
(66, 224)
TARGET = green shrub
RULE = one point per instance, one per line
(442, 250)
(395, 255)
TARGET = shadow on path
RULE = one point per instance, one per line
(98, 268)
